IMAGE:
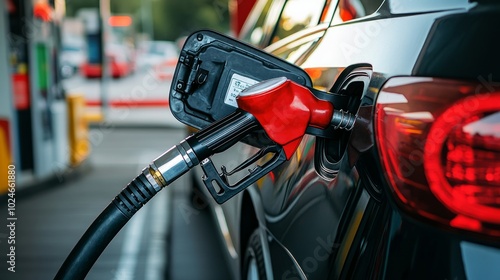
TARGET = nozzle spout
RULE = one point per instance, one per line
(343, 120)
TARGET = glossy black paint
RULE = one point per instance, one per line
(349, 227)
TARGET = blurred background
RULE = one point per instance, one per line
(67, 64)
(83, 108)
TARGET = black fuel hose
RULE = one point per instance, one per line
(162, 172)
(105, 227)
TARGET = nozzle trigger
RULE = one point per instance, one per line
(218, 184)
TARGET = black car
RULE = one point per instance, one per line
(413, 190)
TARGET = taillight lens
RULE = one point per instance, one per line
(439, 142)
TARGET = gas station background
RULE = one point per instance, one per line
(33, 113)
(43, 129)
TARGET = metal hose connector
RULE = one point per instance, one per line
(343, 120)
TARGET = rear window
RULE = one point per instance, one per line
(413, 6)
(353, 9)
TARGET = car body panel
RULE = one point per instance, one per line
(350, 227)
(312, 220)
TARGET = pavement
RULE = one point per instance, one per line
(168, 239)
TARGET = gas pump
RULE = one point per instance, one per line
(7, 116)
(40, 109)
(19, 75)
(42, 81)
(209, 90)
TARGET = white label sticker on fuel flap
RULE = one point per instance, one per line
(237, 84)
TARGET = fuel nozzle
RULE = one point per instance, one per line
(279, 107)
(286, 109)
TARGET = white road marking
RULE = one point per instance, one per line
(157, 258)
(131, 246)
(133, 236)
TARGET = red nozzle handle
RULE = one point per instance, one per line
(285, 109)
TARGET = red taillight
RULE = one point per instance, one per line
(439, 142)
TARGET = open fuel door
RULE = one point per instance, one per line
(213, 69)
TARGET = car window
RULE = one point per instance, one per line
(297, 15)
(254, 33)
(353, 9)
(330, 6)
(294, 52)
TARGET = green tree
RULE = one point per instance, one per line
(180, 18)
(171, 18)
(72, 6)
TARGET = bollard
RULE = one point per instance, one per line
(79, 146)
